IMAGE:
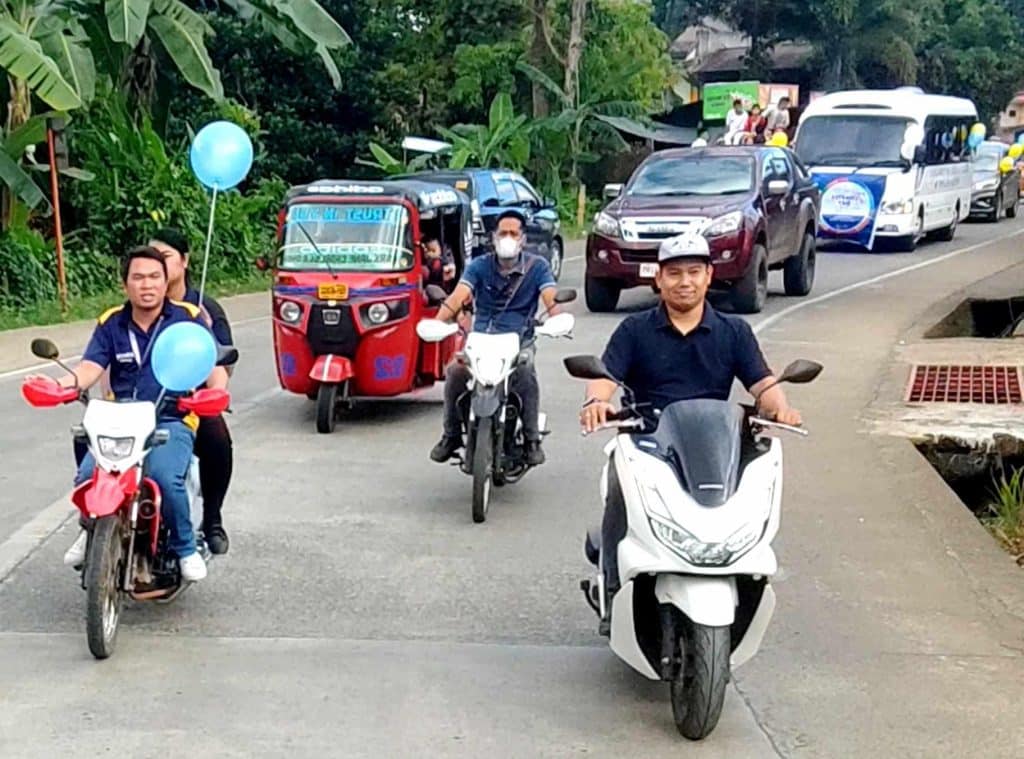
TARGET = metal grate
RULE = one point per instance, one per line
(965, 384)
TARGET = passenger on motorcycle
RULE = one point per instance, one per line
(213, 445)
(504, 286)
(680, 350)
(122, 342)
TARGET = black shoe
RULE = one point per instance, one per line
(445, 449)
(604, 627)
(534, 453)
(217, 540)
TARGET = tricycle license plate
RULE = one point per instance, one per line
(332, 291)
(648, 271)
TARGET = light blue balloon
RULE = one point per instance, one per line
(183, 356)
(974, 140)
(1020, 138)
(221, 155)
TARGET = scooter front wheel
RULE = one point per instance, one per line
(698, 689)
(483, 463)
(326, 408)
(104, 598)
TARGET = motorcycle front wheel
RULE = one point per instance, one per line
(483, 463)
(698, 689)
(104, 598)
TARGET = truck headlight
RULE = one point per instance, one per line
(725, 224)
(607, 225)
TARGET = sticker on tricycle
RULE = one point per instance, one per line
(332, 291)
(346, 257)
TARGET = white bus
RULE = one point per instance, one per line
(892, 164)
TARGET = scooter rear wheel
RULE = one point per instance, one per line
(698, 689)
(104, 598)
(483, 463)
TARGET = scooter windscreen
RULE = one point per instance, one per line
(703, 440)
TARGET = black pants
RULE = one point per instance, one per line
(523, 381)
(613, 530)
(215, 452)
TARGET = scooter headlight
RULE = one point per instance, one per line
(703, 554)
(290, 312)
(115, 448)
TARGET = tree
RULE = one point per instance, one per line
(502, 142)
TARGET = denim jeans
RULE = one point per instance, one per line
(168, 465)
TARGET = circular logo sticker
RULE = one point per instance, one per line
(846, 207)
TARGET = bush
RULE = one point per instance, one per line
(27, 269)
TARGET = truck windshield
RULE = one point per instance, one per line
(849, 140)
(721, 175)
(347, 237)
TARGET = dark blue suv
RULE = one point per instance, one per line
(494, 191)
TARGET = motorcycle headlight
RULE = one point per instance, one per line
(115, 448)
(290, 312)
(705, 554)
(378, 313)
(607, 225)
(725, 224)
(905, 206)
(488, 370)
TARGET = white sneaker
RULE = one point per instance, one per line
(193, 568)
(75, 556)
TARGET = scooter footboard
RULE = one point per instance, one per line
(707, 601)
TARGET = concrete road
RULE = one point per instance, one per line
(362, 613)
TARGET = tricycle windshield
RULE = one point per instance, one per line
(347, 237)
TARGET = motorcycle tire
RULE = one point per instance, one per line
(698, 689)
(104, 597)
(326, 402)
(483, 462)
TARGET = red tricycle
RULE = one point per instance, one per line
(352, 278)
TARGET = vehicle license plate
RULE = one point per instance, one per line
(648, 271)
(332, 291)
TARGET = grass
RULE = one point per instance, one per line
(1007, 509)
(89, 307)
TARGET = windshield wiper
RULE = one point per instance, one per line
(330, 269)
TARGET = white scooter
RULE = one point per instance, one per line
(693, 502)
(491, 410)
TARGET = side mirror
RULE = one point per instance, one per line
(801, 371)
(43, 348)
(588, 368)
(262, 263)
(920, 154)
(778, 187)
(492, 203)
(550, 203)
(565, 295)
(612, 191)
(435, 330)
(227, 355)
(435, 295)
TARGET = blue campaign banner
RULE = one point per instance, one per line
(849, 206)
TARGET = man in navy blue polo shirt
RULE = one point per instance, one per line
(504, 287)
(122, 342)
(680, 350)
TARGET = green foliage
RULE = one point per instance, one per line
(1007, 507)
(26, 268)
(503, 141)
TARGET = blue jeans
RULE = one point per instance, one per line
(168, 465)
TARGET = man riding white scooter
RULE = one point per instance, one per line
(504, 287)
(680, 350)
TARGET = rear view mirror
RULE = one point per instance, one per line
(565, 295)
(43, 348)
(612, 191)
(435, 295)
(920, 154)
(550, 203)
(227, 355)
(778, 187)
(588, 368)
(801, 371)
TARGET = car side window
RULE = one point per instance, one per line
(506, 192)
(526, 195)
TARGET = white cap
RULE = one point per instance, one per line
(686, 245)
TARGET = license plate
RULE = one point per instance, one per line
(332, 291)
(648, 271)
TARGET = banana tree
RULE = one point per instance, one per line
(389, 165)
(503, 141)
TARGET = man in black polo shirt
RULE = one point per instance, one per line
(680, 350)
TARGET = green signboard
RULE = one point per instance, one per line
(718, 97)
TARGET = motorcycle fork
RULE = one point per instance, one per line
(671, 656)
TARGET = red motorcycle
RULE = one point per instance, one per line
(126, 553)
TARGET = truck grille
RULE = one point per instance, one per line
(656, 229)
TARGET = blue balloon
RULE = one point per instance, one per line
(1020, 138)
(974, 140)
(183, 356)
(221, 155)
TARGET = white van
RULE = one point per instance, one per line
(891, 164)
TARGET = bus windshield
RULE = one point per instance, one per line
(851, 140)
(347, 237)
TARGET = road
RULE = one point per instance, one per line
(362, 613)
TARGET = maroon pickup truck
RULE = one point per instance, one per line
(757, 206)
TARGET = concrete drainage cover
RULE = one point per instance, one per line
(965, 384)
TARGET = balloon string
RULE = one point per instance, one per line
(209, 239)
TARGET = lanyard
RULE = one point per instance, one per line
(140, 357)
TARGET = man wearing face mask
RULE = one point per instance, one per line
(504, 287)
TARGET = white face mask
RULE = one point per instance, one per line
(508, 248)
